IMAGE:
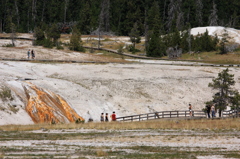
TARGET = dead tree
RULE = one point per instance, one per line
(65, 10)
(17, 12)
(34, 11)
(199, 8)
(213, 18)
(43, 9)
(13, 33)
(174, 52)
(104, 16)
(175, 13)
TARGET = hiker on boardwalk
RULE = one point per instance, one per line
(33, 54)
(190, 110)
(106, 117)
(213, 111)
(102, 117)
(208, 108)
(28, 53)
(113, 116)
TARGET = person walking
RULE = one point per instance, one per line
(113, 116)
(208, 107)
(190, 110)
(33, 54)
(213, 111)
(28, 53)
(106, 117)
(102, 117)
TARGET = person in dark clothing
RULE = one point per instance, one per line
(208, 107)
(106, 117)
(33, 54)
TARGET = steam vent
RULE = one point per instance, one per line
(44, 106)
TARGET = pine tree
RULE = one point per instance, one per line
(224, 41)
(54, 34)
(223, 84)
(134, 36)
(156, 44)
(39, 36)
(75, 40)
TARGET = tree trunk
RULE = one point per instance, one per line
(43, 9)
(220, 113)
(17, 12)
(146, 31)
(213, 18)
(1, 26)
(199, 7)
(65, 10)
(34, 11)
(104, 16)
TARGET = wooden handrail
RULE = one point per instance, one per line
(230, 113)
(173, 114)
(162, 114)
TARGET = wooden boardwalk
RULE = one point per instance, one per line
(175, 114)
(123, 54)
(163, 114)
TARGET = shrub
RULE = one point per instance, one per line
(79, 121)
(48, 43)
(132, 49)
(13, 109)
(60, 47)
(5, 94)
(120, 49)
(8, 45)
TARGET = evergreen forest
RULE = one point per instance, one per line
(149, 18)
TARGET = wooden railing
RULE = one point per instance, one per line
(162, 114)
(231, 113)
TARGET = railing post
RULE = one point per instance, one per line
(170, 114)
(139, 117)
(162, 114)
(147, 116)
(177, 114)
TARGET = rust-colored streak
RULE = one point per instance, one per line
(45, 106)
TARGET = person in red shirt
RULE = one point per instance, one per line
(113, 116)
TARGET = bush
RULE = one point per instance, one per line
(79, 121)
(5, 94)
(132, 49)
(8, 45)
(231, 47)
(120, 49)
(48, 43)
(60, 47)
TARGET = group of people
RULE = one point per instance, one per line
(211, 109)
(105, 118)
(31, 54)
